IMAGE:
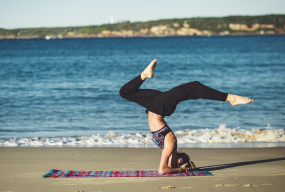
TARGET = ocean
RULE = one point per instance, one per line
(65, 92)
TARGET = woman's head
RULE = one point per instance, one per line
(184, 158)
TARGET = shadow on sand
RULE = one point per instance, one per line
(230, 165)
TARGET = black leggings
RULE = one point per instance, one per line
(164, 103)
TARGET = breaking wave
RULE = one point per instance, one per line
(219, 137)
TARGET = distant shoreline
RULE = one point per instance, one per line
(230, 35)
(207, 26)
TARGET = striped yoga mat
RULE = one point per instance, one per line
(141, 173)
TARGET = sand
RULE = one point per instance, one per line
(255, 169)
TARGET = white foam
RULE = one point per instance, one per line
(184, 138)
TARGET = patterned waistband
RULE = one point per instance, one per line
(166, 127)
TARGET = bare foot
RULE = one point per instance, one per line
(237, 100)
(149, 70)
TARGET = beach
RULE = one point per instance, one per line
(234, 169)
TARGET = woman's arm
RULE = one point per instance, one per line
(169, 145)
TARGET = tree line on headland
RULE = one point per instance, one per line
(231, 25)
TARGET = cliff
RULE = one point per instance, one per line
(267, 24)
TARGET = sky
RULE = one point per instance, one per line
(63, 13)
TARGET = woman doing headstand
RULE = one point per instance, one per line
(160, 104)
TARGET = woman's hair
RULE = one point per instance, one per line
(185, 159)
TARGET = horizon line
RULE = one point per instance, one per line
(143, 21)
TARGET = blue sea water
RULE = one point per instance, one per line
(69, 87)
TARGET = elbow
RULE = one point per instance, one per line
(161, 171)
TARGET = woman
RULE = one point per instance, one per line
(160, 104)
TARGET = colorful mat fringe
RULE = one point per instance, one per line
(142, 173)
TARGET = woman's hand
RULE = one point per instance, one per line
(183, 168)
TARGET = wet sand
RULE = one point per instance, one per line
(255, 169)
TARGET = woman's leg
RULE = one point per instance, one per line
(165, 103)
(131, 92)
(197, 90)
(194, 90)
